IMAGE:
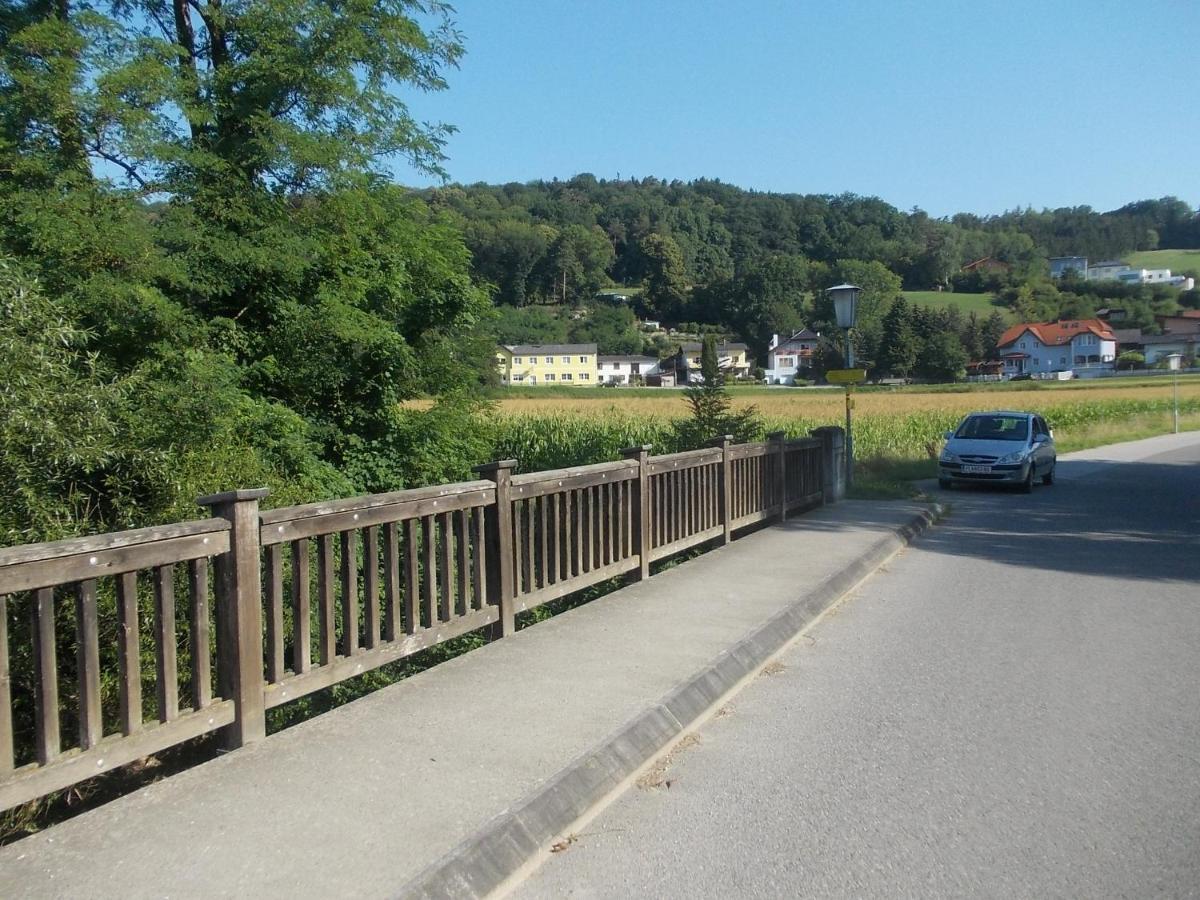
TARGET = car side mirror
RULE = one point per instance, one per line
(948, 435)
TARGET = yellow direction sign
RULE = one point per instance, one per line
(846, 376)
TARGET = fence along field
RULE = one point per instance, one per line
(118, 646)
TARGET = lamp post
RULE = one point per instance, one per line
(1174, 360)
(845, 308)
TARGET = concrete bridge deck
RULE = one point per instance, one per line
(444, 783)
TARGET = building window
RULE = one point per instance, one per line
(549, 376)
(566, 359)
(584, 376)
(516, 360)
(583, 359)
(566, 376)
(518, 378)
(550, 359)
(1022, 345)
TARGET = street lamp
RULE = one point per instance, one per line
(1174, 360)
(845, 308)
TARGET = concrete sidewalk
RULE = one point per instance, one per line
(445, 784)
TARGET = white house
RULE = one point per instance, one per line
(1036, 347)
(626, 369)
(1157, 346)
(1109, 270)
(790, 357)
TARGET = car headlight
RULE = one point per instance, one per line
(947, 456)
(1018, 456)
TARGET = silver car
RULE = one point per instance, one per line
(1001, 447)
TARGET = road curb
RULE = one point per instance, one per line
(485, 860)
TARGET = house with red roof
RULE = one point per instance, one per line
(1037, 347)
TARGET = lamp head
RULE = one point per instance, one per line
(845, 303)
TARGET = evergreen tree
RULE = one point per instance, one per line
(711, 406)
(899, 344)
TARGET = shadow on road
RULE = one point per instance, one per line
(1134, 520)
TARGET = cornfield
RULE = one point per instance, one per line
(884, 425)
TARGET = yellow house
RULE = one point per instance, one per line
(570, 364)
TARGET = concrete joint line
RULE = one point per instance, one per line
(483, 862)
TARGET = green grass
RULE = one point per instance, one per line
(1176, 260)
(982, 305)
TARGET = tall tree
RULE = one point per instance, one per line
(666, 286)
(898, 345)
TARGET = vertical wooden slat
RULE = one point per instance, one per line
(446, 604)
(578, 568)
(371, 587)
(463, 582)
(129, 659)
(391, 581)
(479, 558)
(518, 544)
(167, 666)
(87, 632)
(592, 516)
(429, 582)
(200, 634)
(544, 541)
(556, 574)
(6, 727)
(326, 633)
(622, 534)
(45, 663)
(301, 612)
(528, 536)
(612, 520)
(412, 579)
(274, 612)
(349, 542)
(601, 535)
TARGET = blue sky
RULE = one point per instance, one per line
(971, 106)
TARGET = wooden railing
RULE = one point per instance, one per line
(109, 632)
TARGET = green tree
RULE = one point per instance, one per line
(943, 359)
(899, 345)
(711, 406)
(1130, 359)
(666, 293)
(612, 329)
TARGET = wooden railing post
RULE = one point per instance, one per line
(832, 467)
(499, 545)
(725, 488)
(239, 615)
(641, 507)
(778, 440)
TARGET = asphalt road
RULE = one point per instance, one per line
(1010, 709)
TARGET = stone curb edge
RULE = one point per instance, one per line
(485, 860)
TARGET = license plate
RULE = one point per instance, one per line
(977, 470)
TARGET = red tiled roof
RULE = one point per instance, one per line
(1054, 334)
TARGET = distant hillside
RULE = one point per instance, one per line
(982, 305)
(1178, 261)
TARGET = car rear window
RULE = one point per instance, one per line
(994, 428)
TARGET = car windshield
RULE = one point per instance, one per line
(994, 428)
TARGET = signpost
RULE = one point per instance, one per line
(848, 377)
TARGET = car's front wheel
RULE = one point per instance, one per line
(1048, 478)
(1027, 484)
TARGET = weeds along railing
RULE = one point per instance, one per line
(136, 609)
(251, 609)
